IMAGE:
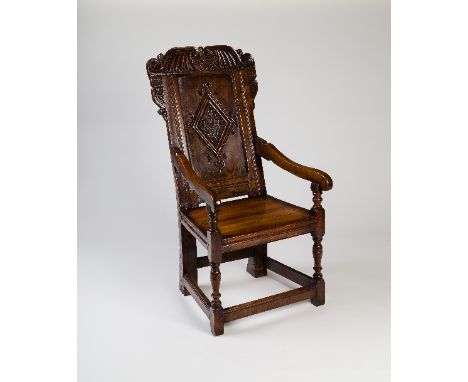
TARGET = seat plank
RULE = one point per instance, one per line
(244, 223)
(246, 216)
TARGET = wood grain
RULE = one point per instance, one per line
(244, 216)
(268, 303)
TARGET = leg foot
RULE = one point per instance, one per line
(217, 322)
(319, 298)
(182, 289)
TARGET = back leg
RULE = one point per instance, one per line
(187, 258)
(257, 264)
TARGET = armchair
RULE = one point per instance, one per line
(206, 97)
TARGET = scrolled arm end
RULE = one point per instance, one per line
(323, 179)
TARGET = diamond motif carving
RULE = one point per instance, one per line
(213, 125)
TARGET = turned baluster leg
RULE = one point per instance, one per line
(317, 234)
(216, 309)
(215, 257)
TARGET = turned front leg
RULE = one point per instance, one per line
(318, 232)
(215, 258)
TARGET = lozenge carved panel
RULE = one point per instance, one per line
(213, 125)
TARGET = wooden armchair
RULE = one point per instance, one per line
(206, 96)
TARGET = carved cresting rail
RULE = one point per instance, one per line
(190, 59)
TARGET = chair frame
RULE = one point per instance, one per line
(219, 249)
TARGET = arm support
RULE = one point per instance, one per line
(269, 152)
(182, 164)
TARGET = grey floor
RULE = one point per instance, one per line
(134, 325)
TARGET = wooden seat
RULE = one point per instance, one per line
(252, 221)
(206, 97)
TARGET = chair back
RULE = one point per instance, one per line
(206, 96)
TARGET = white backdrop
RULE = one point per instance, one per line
(323, 70)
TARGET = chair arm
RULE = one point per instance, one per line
(270, 152)
(206, 193)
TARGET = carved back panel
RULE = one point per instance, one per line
(206, 96)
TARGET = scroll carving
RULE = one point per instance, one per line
(157, 92)
(190, 59)
(209, 58)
